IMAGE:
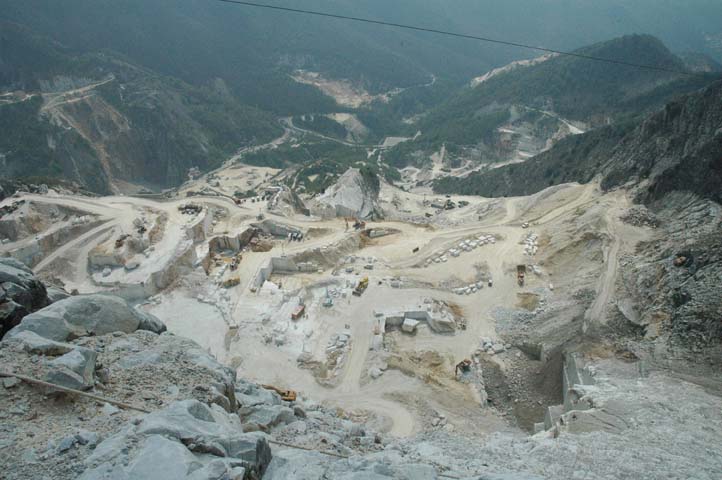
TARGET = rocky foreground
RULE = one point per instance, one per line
(164, 408)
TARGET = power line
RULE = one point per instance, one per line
(462, 35)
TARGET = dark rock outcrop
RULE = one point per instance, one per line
(20, 293)
(676, 149)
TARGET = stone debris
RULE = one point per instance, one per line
(640, 216)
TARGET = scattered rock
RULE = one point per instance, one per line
(73, 370)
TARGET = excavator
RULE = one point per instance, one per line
(286, 395)
(463, 366)
(520, 274)
(358, 224)
(361, 287)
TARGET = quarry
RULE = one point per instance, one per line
(378, 333)
(348, 240)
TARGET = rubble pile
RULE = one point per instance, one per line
(640, 216)
(487, 345)
(11, 208)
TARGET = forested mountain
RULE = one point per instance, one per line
(252, 49)
(676, 148)
(521, 110)
(98, 120)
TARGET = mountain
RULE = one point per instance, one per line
(518, 111)
(254, 50)
(101, 121)
(676, 148)
(159, 87)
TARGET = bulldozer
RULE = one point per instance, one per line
(286, 395)
(361, 287)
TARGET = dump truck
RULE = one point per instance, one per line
(298, 312)
(361, 287)
(520, 274)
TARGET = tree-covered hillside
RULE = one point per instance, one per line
(536, 101)
(253, 49)
(95, 118)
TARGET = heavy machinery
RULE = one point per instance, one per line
(120, 241)
(463, 367)
(359, 224)
(328, 300)
(361, 287)
(298, 312)
(286, 395)
(520, 274)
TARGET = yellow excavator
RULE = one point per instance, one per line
(361, 287)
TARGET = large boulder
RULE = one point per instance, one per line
(87, 315)
(265, 417)
(442, 323)
(20, 293)
(186, 440)
(35, 344)
(55, 294)
(74, 369)
(250, 395)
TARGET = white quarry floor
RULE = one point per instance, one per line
(236, 324)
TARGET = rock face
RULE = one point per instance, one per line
(676, 149)
(355, 194)
(673, 149)
(673, 281)
(286, 202)
(83, 315)
(20, 293)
